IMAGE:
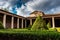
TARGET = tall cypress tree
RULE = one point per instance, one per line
(39, 24)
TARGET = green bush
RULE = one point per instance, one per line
(48, 25)
(29, 27)
(39, 24)
(52, 29)
(1, 25)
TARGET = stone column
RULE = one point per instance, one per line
(25, 23)
(53, 22)
(4, 20)
(30, 21)
(18, 23)
(22, 23)
(12, 22)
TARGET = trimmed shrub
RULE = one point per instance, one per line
(39, 24)
(29, 27)
(1, 25)
(52, 29)
(48, 25)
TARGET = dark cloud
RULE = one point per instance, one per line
(18, 3)
(47, 5)
(30, 5)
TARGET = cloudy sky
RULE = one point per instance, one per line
(25, 7)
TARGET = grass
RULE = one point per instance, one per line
(21, 31)
(17, 30)
(12, 30)
(25, 31)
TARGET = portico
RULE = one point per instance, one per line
(10, 20)
(13, 21)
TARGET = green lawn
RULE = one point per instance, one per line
(26, 30)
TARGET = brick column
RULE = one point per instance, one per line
(22, 23)
(4, 21)
(30, 21)
(53, 22)
(12, 22)
(18, 23)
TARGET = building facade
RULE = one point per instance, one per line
(10, 20)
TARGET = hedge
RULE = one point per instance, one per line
(29, 35)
